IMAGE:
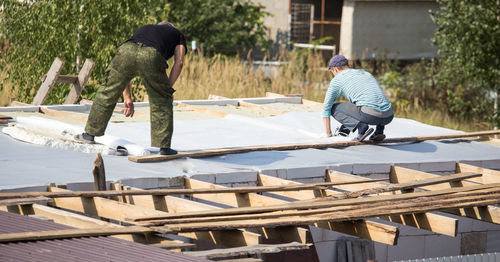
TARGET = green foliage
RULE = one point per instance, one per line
(222, 26)
(468, 33)
(39, 31)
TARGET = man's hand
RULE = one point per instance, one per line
(129, 108)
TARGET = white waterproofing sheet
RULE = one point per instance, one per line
(26, 164)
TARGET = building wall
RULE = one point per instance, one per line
(276, 22)
(401, 29)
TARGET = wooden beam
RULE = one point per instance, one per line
(323, 203)
(3, 117)
(174, 245)
(202, 110)
(219, 254)
(250, 105)
(194, 191)
(361, 228)
(99, 174)
(64, 114)
(428, 221)
(71, 233)
(79, 82)
(48, 83)
(304, 101)
(287, 234)
(284, 147)
(27, 200)
(489, 175)
(485, 213)
(230, 238)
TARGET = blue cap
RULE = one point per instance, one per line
(338, 61)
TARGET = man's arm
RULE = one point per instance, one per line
(326, 122)
(127, 102)
(179, 52)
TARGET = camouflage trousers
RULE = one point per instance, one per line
(133, 60)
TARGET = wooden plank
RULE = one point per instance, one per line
(365, 229)
(174, 245)
(3, 117)
(289, 234)
(486, 213)
(102, 207)
(202, 110)
(322, 203)
(340, 177)
(80, 82)
(99, 174)
(64, 114)
(48, 83)
(163, 192)
(250, 105)
(284, 147)
(219, 254)
(489, 175)
(408, 206)
(428, 221)
(28, 200)
(304, 101)
(67, 79)
(17, 103)
(71, 233)
(230, 238)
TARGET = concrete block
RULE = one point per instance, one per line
(143, 183)
(326, 251)
(270, 172)
(437, 166)
(440, 245)
(236, 177)
(493, 241)
(472, 243)
(244, 184)
(478, 225)
(464, 224)
(25, 189)
(377, 176)
(478, 163)
(171, 182)
(83, 186)
(209, 178)
(409, 247)
(360, 169)
(380, 251)
(492, 164)
(321, 235)
(305, 172)
(413, 166)
(310, 180)
(342, 168)
(281, 173)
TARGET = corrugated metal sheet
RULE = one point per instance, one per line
(75, 249)
(489, 257)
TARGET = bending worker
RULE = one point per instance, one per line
(367, 103)
(145, 54)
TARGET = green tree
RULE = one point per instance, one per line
(468, 37)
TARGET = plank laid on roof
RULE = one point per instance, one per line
(88, 248)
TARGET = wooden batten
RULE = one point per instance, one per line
(489, 175)
(170, 204)
(361, 228)
(485, 213)
(288, 234)
(202, 110)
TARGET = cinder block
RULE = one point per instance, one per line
(84, 186)
(171, 182)
(491, 164)
(305, 172)
(410, 247)
(437, 166)
(380, 251)
(209, 178)
(281, 173)
(326, 251)
(236, 177)
(143, 183)
(244, 184)
(472, 243)
(322, 235)
(440, 245)
(360, 169)
(345, 168)
(493, 241)
(413, 166)
(377, 176)
(269, 172)
(464, 224)
(478, 225)
(310, 180)
(478, 163)
(25, 189)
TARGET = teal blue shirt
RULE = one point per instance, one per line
(357, 86)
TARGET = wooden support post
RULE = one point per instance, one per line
(230, 238)
(251, 199)
(48, 83)
(484, 213)
(361, 228)
(99, 174)
(79, 84)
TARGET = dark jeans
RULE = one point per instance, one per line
(350, 115)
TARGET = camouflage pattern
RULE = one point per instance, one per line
(133, 60)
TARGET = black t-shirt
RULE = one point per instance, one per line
(163, 38)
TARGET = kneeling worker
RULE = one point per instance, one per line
(367, 103)
(145, 54)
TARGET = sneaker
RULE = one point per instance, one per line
(342, 131)
(167, 151)
(377, 138)
(85, 138)
(362, 137)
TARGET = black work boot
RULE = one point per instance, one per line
(167, 151)
(378, 136)
(342, 131)
(363, 132)
(85, 138)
